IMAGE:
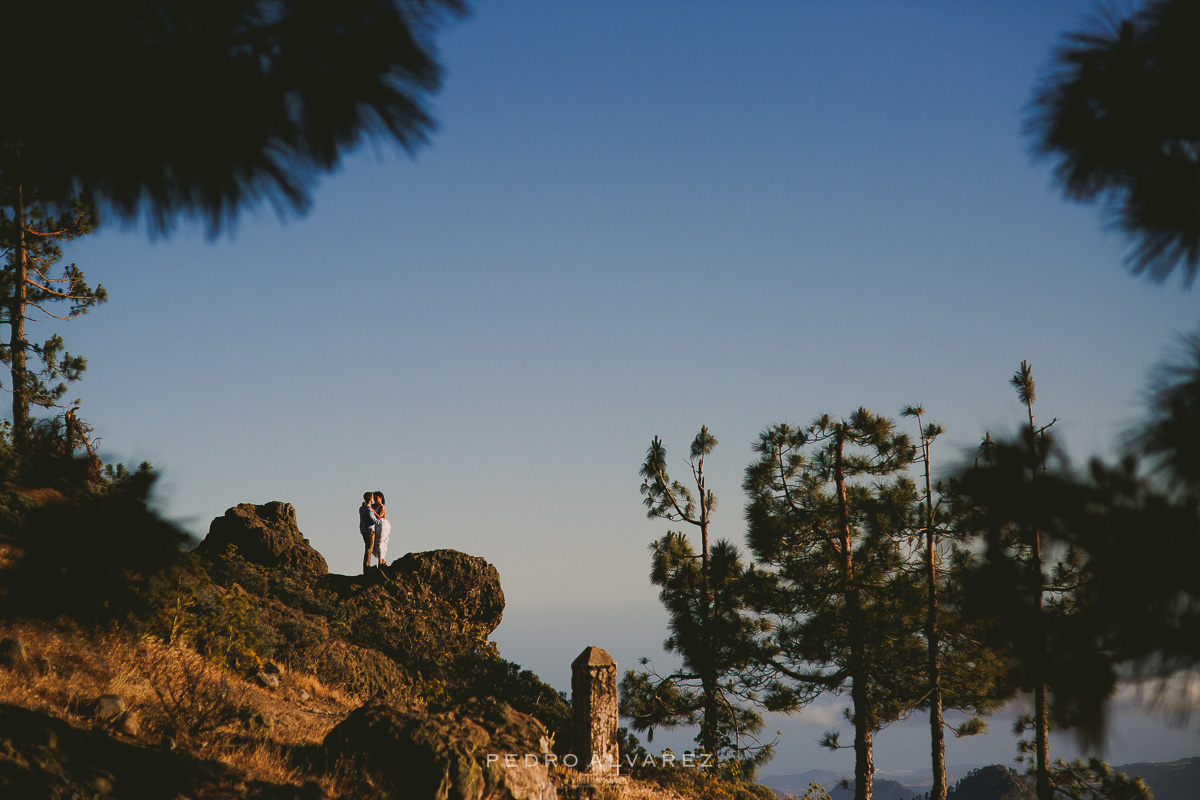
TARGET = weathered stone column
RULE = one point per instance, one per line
(594, 712)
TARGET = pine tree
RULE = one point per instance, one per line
(1015, 561)
(1037, 438)
(960, 672)
(1117, 113)
(712, 629)
(1039, 588)
(933, 674)
(29, 290)
(829, 508)
(1068, 648)
(204, 109)
(1167, 436)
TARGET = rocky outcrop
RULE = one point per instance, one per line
(419, 619)
(476, 751)
(427, 611)
(436, 581)
(470, 581)
(266, 535)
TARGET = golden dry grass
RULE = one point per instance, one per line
(65, 672)
(625, 789)
(69, 669)
(40, 496)
(638, 790)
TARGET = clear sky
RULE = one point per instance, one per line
(637, 217)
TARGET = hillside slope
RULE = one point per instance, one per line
(244, 669)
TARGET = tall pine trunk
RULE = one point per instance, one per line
(1041, 713)
(937, 735)
(16, 318)
(711, 725)
(860, 689)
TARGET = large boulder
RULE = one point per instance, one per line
(436, 581)
(468, 582)
(481, 750)
(266, 535)
(426, 610)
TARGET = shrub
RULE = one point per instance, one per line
(91, 559)
(195, 693)
(221, 624)
(703, 784)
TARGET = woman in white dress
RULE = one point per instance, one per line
(385, 528)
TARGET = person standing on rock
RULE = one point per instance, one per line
(384, 529)
(368, 526)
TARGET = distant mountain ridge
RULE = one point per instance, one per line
(1170, 780)
(797, 785)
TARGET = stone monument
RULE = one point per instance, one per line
(594, 712)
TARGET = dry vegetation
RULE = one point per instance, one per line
(216, 665)
(186, 707)
(177, 700)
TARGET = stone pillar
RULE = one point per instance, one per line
(594, 712)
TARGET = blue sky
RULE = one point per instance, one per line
(635, 218)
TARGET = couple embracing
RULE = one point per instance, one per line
(374, 526)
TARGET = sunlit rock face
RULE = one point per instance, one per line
(266, 535)
(472, 583)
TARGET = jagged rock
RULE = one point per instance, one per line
(424, 612)
(469, 582)
(12, 654)
(476, 751)
(266, 535)
(109, 707)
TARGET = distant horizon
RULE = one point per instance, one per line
(960, 770)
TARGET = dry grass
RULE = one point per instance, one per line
(69, 669)
(40, 496)
(639, 790)
(66, 670)
(571, 782)
(197, 696)
(266, 761)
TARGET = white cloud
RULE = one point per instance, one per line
(825, 714)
